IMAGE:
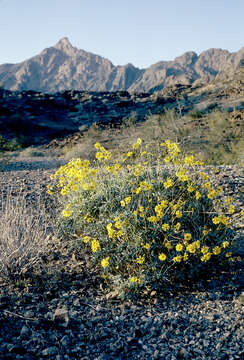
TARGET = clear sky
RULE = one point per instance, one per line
(141, 32)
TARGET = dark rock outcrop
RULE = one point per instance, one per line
(41, 117)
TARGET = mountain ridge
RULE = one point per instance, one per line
(63, 66)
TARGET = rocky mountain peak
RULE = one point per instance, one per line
(63, 66)
(188, 58)
(64, 45)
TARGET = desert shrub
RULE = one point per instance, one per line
(23, 230)
(31, 152)
(223, 140)
(196, 114)
(148, 219)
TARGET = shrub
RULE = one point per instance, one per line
(23, 231)
(148, 219)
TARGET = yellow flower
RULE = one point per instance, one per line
(231, 209)
(167, 159)
(189, 160)
(66, 213)
(216, 250)
(204, 176)
(74, 187)
(95, 245)
(224, 220)
(205, 232)
(228, 254)
(86, 239)
(168, 183)
(206, 257)
(128, 199)
(216, 220)
(85, 186)
(139, 141)
(111, 231)
(185, 257)
(179, 247)
(64, 191)
(164, 203)
(229, 200)
(242, 212)
(105, 262)
(152, 219)
(207, 185)
(197, 195)
(168, 245)
(177, 227)
(165, 227)
(190, 189)
(117, 224)
(146, 246)
(204, 249)
(99, 156)
(187, 236)
(162, 257)
(191, 248)
(177, 258)
(108, 168)
(140, 260)
(212, 193)
(135, 279)
(225, 244)
(97, 145)
(122, 203)
(178, 214)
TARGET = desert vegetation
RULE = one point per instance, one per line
(145, 214)
(148, 217)
(216, 136)
(134, 224)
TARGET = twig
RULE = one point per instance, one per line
(20, 316)
(82, 303)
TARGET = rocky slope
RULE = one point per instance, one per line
(41, 117)
(62, 67)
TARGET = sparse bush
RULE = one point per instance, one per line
(23, 230)
(196, 114)
(146, 225)
(31, 151)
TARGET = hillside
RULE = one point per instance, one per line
(63, 67)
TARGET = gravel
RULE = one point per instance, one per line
(71, 316)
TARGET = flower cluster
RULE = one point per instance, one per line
(143, 223)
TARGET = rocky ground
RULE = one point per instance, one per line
(34, 117)
(66, 313)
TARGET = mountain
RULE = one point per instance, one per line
(63, 67)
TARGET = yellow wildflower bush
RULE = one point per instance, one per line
(146, 218)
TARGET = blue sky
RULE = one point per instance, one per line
(141, 32)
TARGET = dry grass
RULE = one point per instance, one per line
(214, 136)
(24, 232)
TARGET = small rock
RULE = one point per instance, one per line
(61, 315)
(241, 298)
(24, 331)
(65, 340)
(183, 354)
(52, 350)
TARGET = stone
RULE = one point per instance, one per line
(61, 315)
(50, 351)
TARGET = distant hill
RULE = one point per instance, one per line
(62, 67)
